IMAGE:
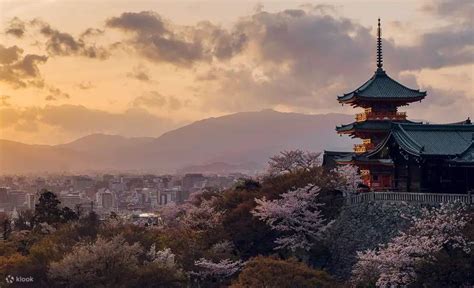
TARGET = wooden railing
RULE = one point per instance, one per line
(380, 116)
(425, 198)
(361, 148)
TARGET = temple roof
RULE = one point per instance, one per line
(331, 157)
(448, 140)
(382, 87)
(359, 159)
(370, 125)
(466, 157)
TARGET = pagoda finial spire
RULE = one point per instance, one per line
(379, 47)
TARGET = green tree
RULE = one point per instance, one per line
(48, 210)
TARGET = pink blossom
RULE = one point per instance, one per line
(220, 270)
(394, 264)
(296, 215)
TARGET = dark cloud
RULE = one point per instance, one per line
(304, 58)
(145, 22)
(460, 11)
(16, 27)
(299, 58)
(19, 71)
(64, 44)
(218, 42)
(28, 66)
(153, 99)
(155, 41)
(91, 32)
(449, 45)
(140, 73)
(162, 42)
(10, 54)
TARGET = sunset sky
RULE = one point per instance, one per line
(140, 68)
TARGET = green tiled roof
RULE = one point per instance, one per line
(381, 86)
(466, 157)
(331, 157)
(369, 125)
(362, 158)
(432, 140)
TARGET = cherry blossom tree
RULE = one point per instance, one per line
(222, 248)
(102, 263)
(292, 161)
(164, 257)
(217, 270)
(203, 216)
(394, 264)
(351, 178)
(296, 215)
(197, 216)
(171, 214)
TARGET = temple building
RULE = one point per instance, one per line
(397, 154)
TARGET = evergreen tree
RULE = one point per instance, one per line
(48, 210)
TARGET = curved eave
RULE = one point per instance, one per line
(386, 89)
(355, 98)
(470, 147)
(374, 162)
(343, 130)
(462, 158)
(359, 126)
(370, 162)
(345, 162)
(409, 146)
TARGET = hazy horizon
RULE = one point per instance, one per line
(106, 133)
(244, 140)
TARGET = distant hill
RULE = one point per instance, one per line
(98, 144)
(22, 158)
(231, 141)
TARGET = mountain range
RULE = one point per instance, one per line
(237, 142)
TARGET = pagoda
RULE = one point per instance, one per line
(380, 97)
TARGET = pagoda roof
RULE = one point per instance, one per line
(426, 140)
(382, 87)
(330, 158)
(361, 159)
(369, 125)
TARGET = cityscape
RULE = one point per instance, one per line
(129, 196)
